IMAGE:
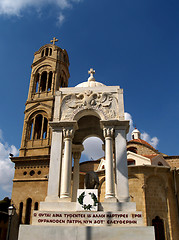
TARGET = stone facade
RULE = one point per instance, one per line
(153, 188)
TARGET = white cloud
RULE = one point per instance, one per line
(153, 141)
(127, 116)
(61, 19)
(16, 7)
(145, 136)
(6, 166)
(92, 149)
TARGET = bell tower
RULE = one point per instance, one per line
(49, 74)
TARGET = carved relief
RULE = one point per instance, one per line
(105, 103)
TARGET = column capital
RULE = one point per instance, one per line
(76, 150)
(108, 132)
(68, 132)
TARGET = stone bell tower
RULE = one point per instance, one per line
(49, 74)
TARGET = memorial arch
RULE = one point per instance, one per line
(89, 109)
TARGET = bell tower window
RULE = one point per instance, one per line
(42, 54)
(50, 80)
(43, 81)
(37, 82)
(46, 52)
(38, 127)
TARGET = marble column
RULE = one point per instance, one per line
(76, 177)
(67, 164)
(122, 188)
(109, 172)
(55, 166)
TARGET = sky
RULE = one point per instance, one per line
(131, 43)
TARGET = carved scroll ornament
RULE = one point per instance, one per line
(106, 103)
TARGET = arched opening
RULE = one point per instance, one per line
(38, 126)
(43, 81)
(157, 222)
(37, 82)
(96, 145)
(46, 51)
(132, 149)
(28, 210)
(20, 212)
(30, 129)
(50, 52)
(50, 81)
(36, 205)
(45, 129)
(42, 54)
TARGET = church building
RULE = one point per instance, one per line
(153, 176)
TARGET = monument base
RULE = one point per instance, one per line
(102, 206)
(29, 232)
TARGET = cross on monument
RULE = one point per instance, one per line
(91, 72)
(54, 40)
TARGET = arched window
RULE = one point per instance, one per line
(38, 126)
(36, 205)
(42, 54)
(50, 52)
(157, 222)
(30, 129)
(28, 210)
(132, 149)
(50, 80)
(37, 82)
(43, 81)
(44, 133)
(20, 212)
(46, 52)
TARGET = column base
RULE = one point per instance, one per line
(65, 199)
(52, 199)
(110, 199)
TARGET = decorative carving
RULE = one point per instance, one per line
(108, 132)
(105, 103)
(68, 132)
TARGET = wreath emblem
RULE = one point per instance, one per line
(87, 206)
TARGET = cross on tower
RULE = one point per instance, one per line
(91, 72)
(54, 40)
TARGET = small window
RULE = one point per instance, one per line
(42, 54)
(46, 51)
(20, 212)
(43, 81)
(45, 129)
(38, 126)
(31, 129)
(39, 172)
(24, 173)
(50, 80)
(130, 162)
(160, 164)
(36, 82)
(50, 52)
(32, 173)
(28, 210)
(36, 205)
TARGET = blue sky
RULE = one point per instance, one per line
(131, 43)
